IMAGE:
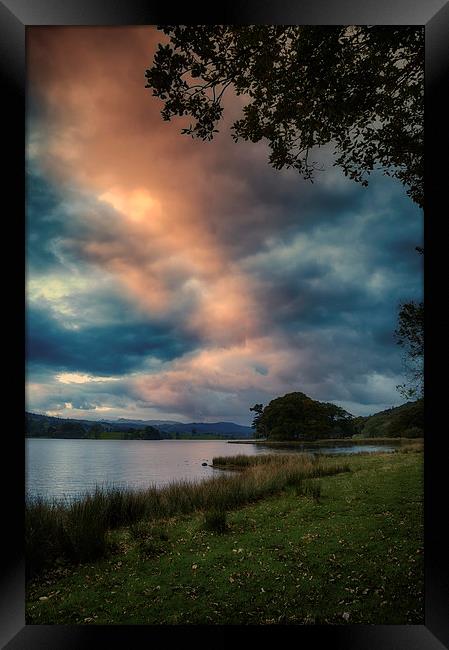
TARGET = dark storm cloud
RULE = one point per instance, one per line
(109, 349)
(202, 277)
(43, 224)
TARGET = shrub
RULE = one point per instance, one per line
(215, 521)
(313, 489)
(43, 534)
(413, 432)
(85, 529)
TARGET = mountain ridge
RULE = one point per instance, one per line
(36, 421)
(406, 420)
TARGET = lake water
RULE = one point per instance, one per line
(69, 468)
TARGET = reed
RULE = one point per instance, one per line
(77, 531)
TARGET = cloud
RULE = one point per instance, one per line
(100, 349)
(195, 273)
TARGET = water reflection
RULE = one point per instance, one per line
(69, 468)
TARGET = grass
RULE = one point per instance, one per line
(78, 532)
(307, 465)
(216, 520)
(411, 446)
(354, 555)
(151, 540)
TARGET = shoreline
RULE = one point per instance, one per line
(343, 442)
(319, 556)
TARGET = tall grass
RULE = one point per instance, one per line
(242, 461)
(414, 446)
(77, 531)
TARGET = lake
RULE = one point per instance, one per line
(58, 469)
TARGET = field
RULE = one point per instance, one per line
(342, 548)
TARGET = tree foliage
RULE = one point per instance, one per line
(295, 416)
(147, 433)
(96, 430)
(410, 336)
(405, 421)
(409, 422)
(359, 88)
(256, 423)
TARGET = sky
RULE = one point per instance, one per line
(170, 278)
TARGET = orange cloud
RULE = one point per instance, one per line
(107, 137)
(220, 378)
(175, 198)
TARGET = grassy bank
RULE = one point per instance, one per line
(349, 552)
(78, 532)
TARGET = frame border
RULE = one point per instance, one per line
(433, 15)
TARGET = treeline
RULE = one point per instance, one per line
(296, 416)
(37, 426)
(45, 426)
(406, 421)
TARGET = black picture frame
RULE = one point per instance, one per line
(15, 16)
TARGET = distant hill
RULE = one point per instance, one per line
(37, 425)
(153, 423)
(402, 421)
(206, 427)
(406, 421)
(181, 427)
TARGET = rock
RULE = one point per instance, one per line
(204, 464)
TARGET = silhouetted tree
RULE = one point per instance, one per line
(296, 416)
(358, 87)
(256, 423)
(151, 433)
(409, 335)
(409, 422)
(70, 430)
(95, 431)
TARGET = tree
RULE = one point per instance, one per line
(95, 431)
(151, 433)
(409, 335)
(359, 87)
(70, 429)
(51, 431)
(256, 423)
(408, 422)
(296, 416)
(338, 421)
